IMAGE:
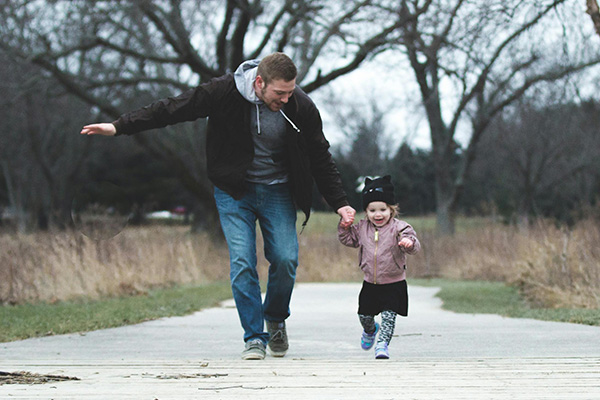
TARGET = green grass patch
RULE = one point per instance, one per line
(477, 297)
(33, 320)
(326, 222)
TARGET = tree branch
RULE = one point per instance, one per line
(480, 125)
(594, 12)
(334, 29)
(246, 14)
(221, 48)
(369, 48)
(296, 16)
(136, 81)
(548, 76)
(439, 39)
(69, 82)
(271, 28)
(483, 76)
(141, 56)
(178, 38)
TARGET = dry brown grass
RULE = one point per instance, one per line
(66, 265)
(560, 268)
(324, 259)
(553, 267)
(483, 253)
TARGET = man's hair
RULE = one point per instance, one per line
(277, 66)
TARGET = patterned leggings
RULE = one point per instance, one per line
(388, 323)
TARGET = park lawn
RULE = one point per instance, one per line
(479, 297)
(326, 222)
(34, 320)
(44, 319)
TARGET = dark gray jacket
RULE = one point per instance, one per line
(229, 144)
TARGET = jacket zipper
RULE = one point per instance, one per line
(375, 257)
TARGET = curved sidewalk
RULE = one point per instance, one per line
(434, 354)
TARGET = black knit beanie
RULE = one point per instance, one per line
(379, 189)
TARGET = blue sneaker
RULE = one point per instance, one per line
(368, 339)
(381, 351)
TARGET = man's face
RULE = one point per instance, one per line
(276, 93)
(379, 213)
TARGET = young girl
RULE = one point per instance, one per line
(383, 243)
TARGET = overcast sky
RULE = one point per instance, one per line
(394, 92)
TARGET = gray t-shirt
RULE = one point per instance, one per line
(268, 132)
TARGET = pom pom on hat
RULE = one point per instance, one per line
(379, 189)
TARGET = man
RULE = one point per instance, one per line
(265, 148)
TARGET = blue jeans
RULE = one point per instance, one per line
(273, 207)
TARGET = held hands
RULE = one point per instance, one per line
(347, 213)
(105, 129)
(406, 244)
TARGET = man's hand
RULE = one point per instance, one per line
(105, 129)
(347, 213)
(406, 244)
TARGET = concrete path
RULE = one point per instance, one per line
(435, 354)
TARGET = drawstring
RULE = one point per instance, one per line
(282, 113)
(257, 119)
(290, 121)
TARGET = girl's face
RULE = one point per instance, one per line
(379, 213)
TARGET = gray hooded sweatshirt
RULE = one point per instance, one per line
(268, 129)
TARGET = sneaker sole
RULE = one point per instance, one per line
(277, 353)
(253, 356)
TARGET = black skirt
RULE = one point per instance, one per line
(374, 299)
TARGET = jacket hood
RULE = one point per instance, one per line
(244, 77)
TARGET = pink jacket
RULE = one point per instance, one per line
(380, 257)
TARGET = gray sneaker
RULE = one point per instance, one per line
(255, 350)
(278, 340)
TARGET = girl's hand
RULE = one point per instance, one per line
(406, 244)
(347, 214)
(345, 225)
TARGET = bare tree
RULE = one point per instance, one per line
(482, 56)
(116, 55)
(364, 130)
(541, 151)
(41, 159)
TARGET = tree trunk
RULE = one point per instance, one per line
(445, 219)
(445, 205)
(206, 218)
(14, 200)
(445, 191)
(594, 12)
